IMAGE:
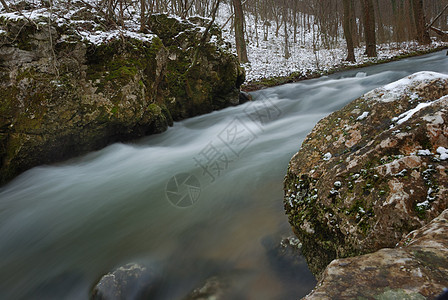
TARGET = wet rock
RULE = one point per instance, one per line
(372, 172)
(285, 256)
(62, 96)
(214, 288)
(416, 269)
(132, 281)
(244, 97)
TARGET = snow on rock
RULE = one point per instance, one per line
(363, 116)
(327, 156)
(101, 37)
(425, 152)
(394, 90)
(408, 114)
(443, 153)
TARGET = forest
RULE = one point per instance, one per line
(303, 36)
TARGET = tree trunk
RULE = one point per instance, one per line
(369, 28)
(142, 15)
(420, 23)
(381, 33)
(348, 15)
(239, 32)
(285, 17)
(5, 6)
(204, 35)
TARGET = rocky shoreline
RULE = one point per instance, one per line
(63, 95)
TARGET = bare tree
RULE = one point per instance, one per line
(5, 5)
(239, 32)
(369, 28)
(420, 23)
(285, 23)
(142, 15)
(348, 30)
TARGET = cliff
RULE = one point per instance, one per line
(64, 92)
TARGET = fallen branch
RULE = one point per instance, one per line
(437, 17)
(441, 33)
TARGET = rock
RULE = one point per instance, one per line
(214, 288)
(63, 96)
(372, 172)
(416, 269)
(244, 97)
(285, 257)
(132, 281)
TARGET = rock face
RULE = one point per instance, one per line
(374, 171)
(62, 95)
(416, 269)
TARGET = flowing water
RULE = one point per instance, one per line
(202, 199)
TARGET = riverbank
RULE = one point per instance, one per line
(262, 83)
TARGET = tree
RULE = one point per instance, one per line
(369, 27)
(348, 29)
(5, 5)
(142, 15)
(239, 32)
(285, 23)
(420, 23)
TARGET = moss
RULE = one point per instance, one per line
(420, 210)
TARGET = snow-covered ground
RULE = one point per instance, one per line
(266, 57)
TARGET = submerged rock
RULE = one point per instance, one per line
(63, 95)
(132, 281)
(416, 269)
(214, 288)
(244, 97)
(372, 172)
(285, 257)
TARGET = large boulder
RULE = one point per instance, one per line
(372, 172)
(416, 269)
(65, 90)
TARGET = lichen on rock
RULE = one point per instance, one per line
(370, 173)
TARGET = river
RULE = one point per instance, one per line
(201, 199)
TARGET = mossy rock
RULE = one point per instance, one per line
(95, 95)
(359, 184)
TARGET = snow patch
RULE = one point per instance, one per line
(408, 114)
(363, 116)
(395, 90)
(425, 152)
(101, 37)
(327, 156)
(443, 153)
(402, 84)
